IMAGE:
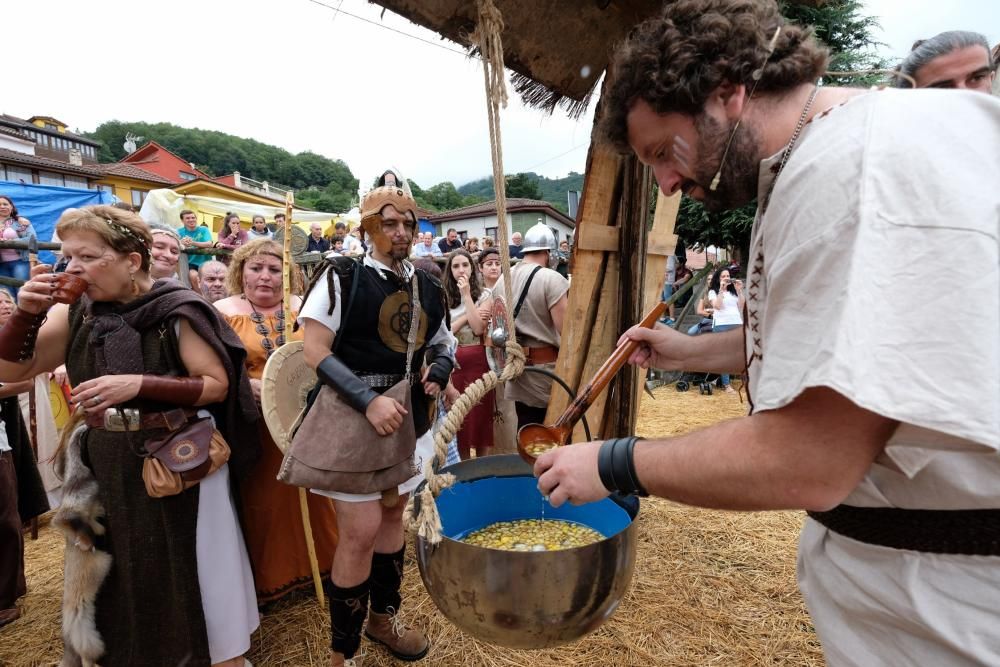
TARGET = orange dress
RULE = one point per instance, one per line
(272, 519)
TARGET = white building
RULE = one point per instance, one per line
(480, 220)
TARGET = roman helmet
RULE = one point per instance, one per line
(371, 212)
(539, 237)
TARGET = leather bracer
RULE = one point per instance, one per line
(18, 336)
(170, 389)
(335, 374)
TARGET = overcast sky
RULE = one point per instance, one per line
(301, 76)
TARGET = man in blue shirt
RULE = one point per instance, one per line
(194, 235)
(426, 247)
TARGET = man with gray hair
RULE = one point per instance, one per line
(954, 59)
(212, 276)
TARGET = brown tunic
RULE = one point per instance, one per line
(149, 609)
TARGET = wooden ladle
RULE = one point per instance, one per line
(535, 439)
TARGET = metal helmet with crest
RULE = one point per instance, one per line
(372, 205)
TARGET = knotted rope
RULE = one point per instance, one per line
(427, 522)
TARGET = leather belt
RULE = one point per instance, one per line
(377, 380)
(970, 532)
(537, 356)
(130, 419)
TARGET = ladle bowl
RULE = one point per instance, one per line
(523, 599)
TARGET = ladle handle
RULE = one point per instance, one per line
(605, 373)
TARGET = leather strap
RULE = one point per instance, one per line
(524, 292)
(172, 389)
(536, 356)
(18, 336)
(968, 532)
(171, 420)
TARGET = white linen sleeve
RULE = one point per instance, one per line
(868, 284)
(445, 337)
(317, 306)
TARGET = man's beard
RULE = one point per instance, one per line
(738, 182)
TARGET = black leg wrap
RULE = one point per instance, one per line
(348, 610)
(387, 577)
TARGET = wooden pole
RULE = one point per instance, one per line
(32, 411)
(287, 266)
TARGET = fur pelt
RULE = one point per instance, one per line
(86, 566)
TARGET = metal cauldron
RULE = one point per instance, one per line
(524, 599)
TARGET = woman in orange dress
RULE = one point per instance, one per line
(271, 515)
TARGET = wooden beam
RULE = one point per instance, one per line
(602, 344)
(597, 237)
(598, 208)
(662, 237)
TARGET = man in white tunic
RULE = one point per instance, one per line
(358, 338)
(870, 407)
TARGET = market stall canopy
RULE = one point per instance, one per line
(164, 206)
(557, 49)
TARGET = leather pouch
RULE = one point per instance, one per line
(335, 447)
(181, 459)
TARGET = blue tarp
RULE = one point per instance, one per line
(43, 204)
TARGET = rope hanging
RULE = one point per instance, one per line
(428, 522)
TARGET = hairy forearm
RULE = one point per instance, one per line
(809, 455)
(713, 353)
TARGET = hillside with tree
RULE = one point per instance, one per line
(529, 185)
(320, 183)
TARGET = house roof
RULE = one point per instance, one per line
(490, 208)
(15, 133)
(49, 118)
(13, 157)
(20, 123)
(212, 184)
(149, 147)
(132, 171)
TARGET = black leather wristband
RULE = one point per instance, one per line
(604, 465)
(616, 466)
(619, 466)
(637, 486)
(335, 374)
(442, 364)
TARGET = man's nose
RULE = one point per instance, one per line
(668, 179)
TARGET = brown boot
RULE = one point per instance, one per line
(404, 643)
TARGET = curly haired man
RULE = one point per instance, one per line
(860, 392)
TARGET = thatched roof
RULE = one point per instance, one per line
(558, 49)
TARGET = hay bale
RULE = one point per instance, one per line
(710, 588)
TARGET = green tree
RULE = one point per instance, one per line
(522, 185)
(443, 196)
(217, 153)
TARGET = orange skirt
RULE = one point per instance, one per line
(272, 526)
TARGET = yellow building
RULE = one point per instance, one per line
(128, 182)
(200, 187)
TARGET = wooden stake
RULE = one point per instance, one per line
(286, 274)
(599, 208)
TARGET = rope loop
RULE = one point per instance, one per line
(427, 523)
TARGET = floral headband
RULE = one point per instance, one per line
(122, 229)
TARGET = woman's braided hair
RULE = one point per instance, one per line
(675, 60)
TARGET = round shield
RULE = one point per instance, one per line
(286, 383)
(300, 239)
(496, 336)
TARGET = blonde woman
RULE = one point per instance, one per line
(274, 534)
(179, 588)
